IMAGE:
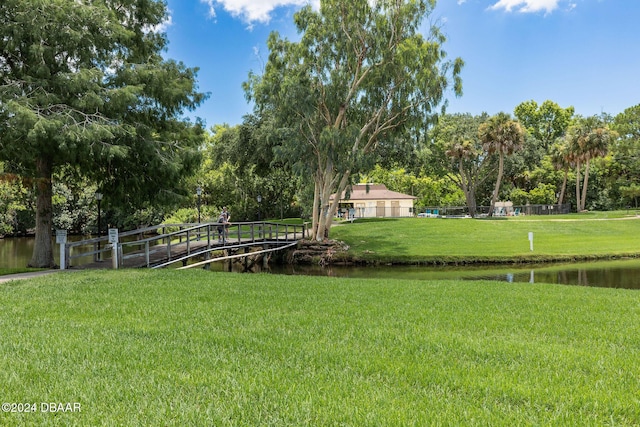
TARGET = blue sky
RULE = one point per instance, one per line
(584, 53)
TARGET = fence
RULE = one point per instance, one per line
(377, 212)
(462, 211)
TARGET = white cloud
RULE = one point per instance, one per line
(254, 10)
(164, 25)
(527, 5)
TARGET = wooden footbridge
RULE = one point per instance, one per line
(165, 244)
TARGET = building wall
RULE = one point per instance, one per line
(382, 208)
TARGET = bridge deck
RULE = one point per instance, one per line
(199, 240)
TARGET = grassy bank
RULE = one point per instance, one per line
(177, 348)
(446, 240)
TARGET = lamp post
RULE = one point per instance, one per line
(259, 199)
(98, 197)
(199, 193)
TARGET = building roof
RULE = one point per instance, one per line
(374, 192)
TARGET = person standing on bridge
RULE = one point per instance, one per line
(220, 228)
(227, 218)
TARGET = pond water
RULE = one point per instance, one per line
(16, 252)
(610, 274)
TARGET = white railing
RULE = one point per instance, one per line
(191, 237)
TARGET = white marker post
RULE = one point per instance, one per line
(61, 239)
(531, 240)
(113, 239)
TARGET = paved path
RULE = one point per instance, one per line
(29, 275)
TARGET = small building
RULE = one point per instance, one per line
(374, 200)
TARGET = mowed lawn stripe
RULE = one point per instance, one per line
(202, 348)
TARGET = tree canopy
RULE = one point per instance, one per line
(84, 84)
(460, 152)
(361, 72)
(546, 122)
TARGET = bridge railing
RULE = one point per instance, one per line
(99, 247)
(185, 235)
(133, 244)
(243, 234)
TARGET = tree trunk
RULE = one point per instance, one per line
(583, 201)
(468, 188)
(329, 208)
(43, 250)
(496, 190)
(333, 208)
(316, 209)
(470, 196)
(323, 214)
(564, 186)
(578, 187)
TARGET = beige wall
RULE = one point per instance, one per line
(383, 208)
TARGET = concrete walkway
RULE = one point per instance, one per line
(29, 275)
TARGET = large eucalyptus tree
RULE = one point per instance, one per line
(83, 84)
(361, 72)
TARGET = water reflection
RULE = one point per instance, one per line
(623, 274)
(15, 252)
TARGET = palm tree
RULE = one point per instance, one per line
(596, 145)
(587, 140)
(575, 134)
(466, 154)
(561, 160)
(502, 135)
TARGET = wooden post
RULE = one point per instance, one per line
(67, 255)
(146, 252)
(114, 256)
(114, 239)
(207, 256)
(61, 239)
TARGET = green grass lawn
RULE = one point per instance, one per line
(492, 240)
(179, 348)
